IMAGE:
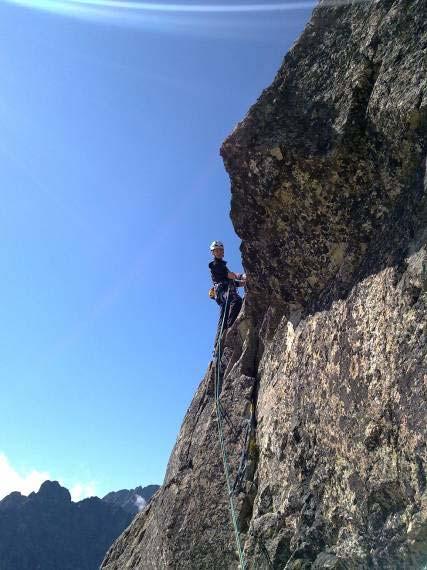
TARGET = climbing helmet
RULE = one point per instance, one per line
(216, 244)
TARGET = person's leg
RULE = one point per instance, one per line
(223, 314)
(229, 311)
(235, 304)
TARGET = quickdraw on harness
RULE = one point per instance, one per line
(214, 291)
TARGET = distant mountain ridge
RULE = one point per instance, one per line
(133, 500)
(47, 531)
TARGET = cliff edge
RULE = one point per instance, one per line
(329, 185)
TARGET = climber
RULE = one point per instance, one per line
(225, 282)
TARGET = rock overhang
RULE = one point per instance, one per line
(321, 169)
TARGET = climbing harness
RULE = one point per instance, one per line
(214, 292)
(220, 417)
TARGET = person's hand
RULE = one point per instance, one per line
(232, 275)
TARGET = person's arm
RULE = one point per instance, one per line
(240, 279)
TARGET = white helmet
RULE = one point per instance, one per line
(216, 244)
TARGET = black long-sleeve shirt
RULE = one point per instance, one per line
(219, 270)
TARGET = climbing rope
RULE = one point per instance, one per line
(223, 415)
(220, 416)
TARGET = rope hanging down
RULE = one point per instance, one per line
(223, 415)
(220, 417)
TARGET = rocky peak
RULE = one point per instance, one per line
(52, 492)
(12, 501)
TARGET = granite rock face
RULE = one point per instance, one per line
(329, 186)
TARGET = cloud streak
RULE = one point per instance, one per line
(11, 480)
(81, 491)
(140, 502)
(135, 6)
(145, 11)
(212, 20)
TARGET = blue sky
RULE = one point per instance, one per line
(112, 189)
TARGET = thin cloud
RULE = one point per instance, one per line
(81, 491)
(11, 480)
(140, 502)
(25, 483)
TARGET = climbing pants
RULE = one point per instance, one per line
(229, 311)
